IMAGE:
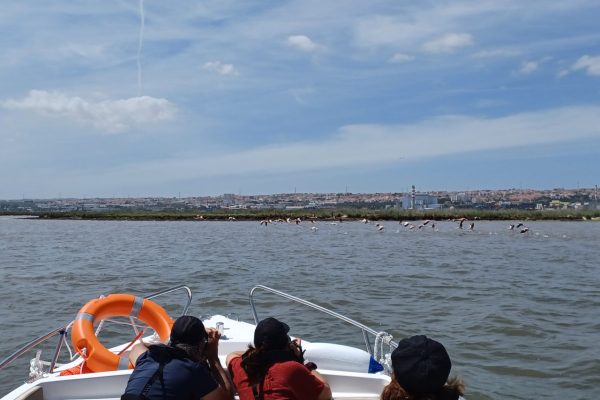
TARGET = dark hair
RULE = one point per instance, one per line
(193, 352)
(256, 361)
(253, 363)
(453, 388)
(165, 353)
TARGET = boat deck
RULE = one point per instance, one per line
(349, 380)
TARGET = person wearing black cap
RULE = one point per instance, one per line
(187, 368)
(273, 369)
(421, 368)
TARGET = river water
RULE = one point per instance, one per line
(518, 313)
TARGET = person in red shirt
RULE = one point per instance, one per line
(273, 368)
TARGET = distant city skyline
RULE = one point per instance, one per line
(523, 199)
(510, 192)
(144, 99)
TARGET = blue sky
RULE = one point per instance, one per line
(129, 98)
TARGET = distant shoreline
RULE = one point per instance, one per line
(324, 214)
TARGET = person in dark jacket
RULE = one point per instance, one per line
(188, 368)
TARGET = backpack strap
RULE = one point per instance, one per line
(157, 374)
(142, 396)
(258, 390)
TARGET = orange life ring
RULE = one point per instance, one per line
(97, 357)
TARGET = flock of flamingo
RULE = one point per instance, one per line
(518, 227)
(513, 227)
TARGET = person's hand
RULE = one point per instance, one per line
(296, 346)
(310, 365)
(211, 351)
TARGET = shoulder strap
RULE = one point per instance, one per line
(258, 390)
(157, 374)
(146, 389)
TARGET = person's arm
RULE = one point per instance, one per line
(136, 351)
(296, 346)
(326, 392)
(225, 391)
(231, 356)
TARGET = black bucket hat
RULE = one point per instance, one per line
(188, 330)
(270, 333)
(421, 365)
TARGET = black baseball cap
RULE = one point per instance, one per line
(188, 330)
(271, 333)
(421, 365)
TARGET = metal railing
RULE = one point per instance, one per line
(62, 331)
(365, 329)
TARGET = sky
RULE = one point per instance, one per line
(123, 98)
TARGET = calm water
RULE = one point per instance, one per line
(519, 314)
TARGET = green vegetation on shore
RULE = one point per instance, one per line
(328, 214)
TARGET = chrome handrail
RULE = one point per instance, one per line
(174, 288)
(62, 331)
(365, 329)
(28, 346)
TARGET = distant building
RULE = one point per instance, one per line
(460, 198)
(421, 202)
(559, 204)
(228, 199)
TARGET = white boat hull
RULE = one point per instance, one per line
(344, 367)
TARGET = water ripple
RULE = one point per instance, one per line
(517, 313)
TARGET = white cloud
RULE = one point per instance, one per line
(90, 51)
(400, 58)
(389, 31)
(412, 22)
(528, 67)
(497, 53)
(300, 95)
(360, 145)
(220, 68)
(448, 43)
(112, 116)
(302, 42)
(590, 64)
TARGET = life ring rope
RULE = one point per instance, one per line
(139, 335)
